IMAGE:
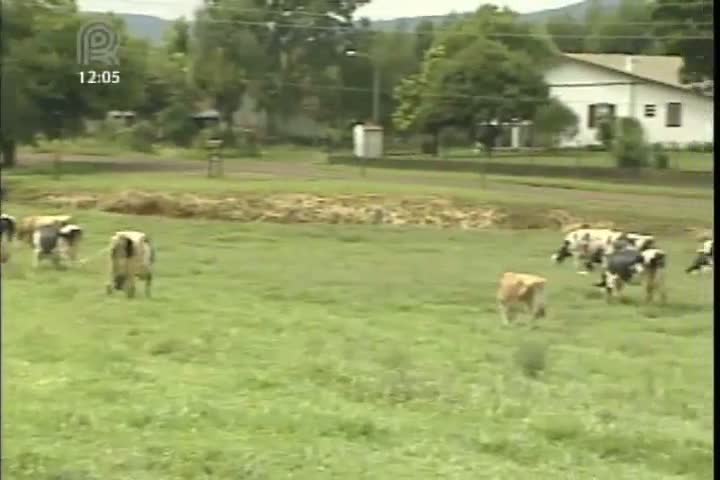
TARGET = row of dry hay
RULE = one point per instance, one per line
(338, 209)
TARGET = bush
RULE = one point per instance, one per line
(630, 148)
(660, 157)
(531, 357)
(606, 133)
(700, 147)
(250, 145)
(429, 145)
(142, 136)
(177, 125)
(554, 122)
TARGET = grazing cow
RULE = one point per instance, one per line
(69, 241)
(8, 226)
(518, 289)
(630, 266)
(704, 259)
(29, 225)
(131, 255)
(45, 241)
(587, 246)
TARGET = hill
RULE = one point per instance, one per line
(154, 28)
(146, 27)
(575, 10)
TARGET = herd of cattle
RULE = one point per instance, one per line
(56, 238)
(625, 258)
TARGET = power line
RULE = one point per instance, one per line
(473, 35)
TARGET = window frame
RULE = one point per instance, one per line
(678, 123)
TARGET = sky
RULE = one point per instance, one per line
(376, 10)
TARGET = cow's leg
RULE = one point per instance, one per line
(56, 259)
(538, 303)
(148, 285)
(506, 312)
(37, 254)
(130, 286)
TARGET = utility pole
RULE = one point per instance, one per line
(351, 52)
(376, 95)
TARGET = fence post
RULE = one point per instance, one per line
(215, 160)
(57, 161)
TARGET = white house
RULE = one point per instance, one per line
(645, 87)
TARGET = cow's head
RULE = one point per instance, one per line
(71, 233)
(562, 253)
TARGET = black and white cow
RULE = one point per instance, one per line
(8, 227)
(45, 240)
(704, 259)
(632, 266)
(587, 246)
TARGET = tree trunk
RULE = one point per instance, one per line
(9, 152)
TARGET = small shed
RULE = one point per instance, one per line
(126, 118)
(367, 141)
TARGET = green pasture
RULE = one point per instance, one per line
(680, 160)
(333, 351)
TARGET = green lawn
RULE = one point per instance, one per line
(683, 160)
(319, 352)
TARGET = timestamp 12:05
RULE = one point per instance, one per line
(99, 76)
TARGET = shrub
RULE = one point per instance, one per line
(660, 157)
(554, 122)
(250, 145)
(531, 357)
(630, 148)
(142, 136)
(606, 133)
(700, 147)
(177, 125)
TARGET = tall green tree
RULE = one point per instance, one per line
(41, 88)
(473, 75)
(690, 28)
(284, 48)
(626, 29)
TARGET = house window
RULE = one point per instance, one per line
(591, 116)
(674, 114)
(650, 110)
(599, 111)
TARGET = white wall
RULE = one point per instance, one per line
(697, 111)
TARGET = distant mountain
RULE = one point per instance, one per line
(154, 28)
(146, 27)
(574, 10)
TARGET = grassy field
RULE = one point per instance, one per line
(337, 351)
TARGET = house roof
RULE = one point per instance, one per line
(655, 68)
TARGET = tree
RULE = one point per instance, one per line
(684, 22)
(554, 122)
(627, 29)
(567, 33)
(468, 79)
(287, 46)
(41, 89)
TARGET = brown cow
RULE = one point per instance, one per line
(517, 289)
